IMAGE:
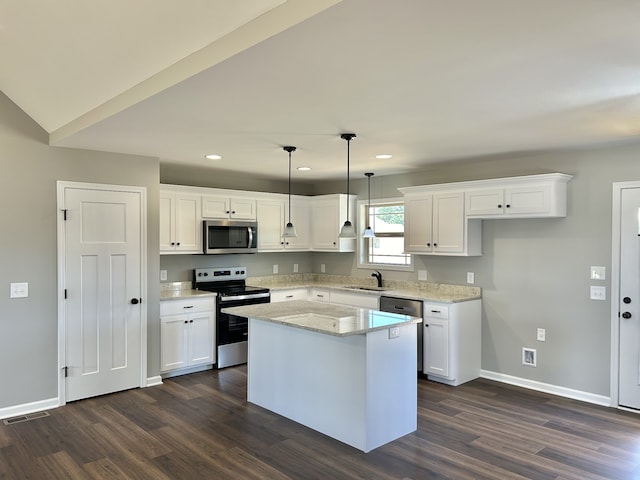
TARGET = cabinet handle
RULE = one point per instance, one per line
(281, 243)
(288, 296)
(499, 205)
(186, 321)
(190, 321)
(227, 211)
(508, 205)
(321, 296)
(233, 212)
(435, 311)
(190, 306)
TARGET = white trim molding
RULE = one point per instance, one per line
(154, 381)
(26, 408)
(547, 388)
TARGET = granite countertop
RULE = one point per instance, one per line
(324, 318)
(180, 290)
(426, 291)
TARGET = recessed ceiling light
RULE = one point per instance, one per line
(213, 156)
(304, 169)
(384, 156)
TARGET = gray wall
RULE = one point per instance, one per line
(29, 326)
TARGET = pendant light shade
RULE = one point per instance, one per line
(368, 232)
(289, 229)
(347, 230)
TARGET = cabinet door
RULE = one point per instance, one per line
(320, 295)
(215, 206)
(188, 224)
(271, 222)
(174, 342)
(485, 202)
(242, 209)
(448, 223)
(532, 200)
(201, 338)
(300, 216)
(436, 347)
(418, 217)
(325, 226)
(167, 222)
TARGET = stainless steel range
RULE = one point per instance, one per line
(231, 330)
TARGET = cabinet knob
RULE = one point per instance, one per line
(227, 211)
(233, 211)
(190, 321)
(435, 244)
(178, 243)
(173, 243)
(186, 321)
(508, 205)
(499, 205)
(334, 243)
(428, 244)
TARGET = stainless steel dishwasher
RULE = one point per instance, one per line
(407, 307)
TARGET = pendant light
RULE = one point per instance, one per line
(347, 230)
(289, 229)
(368, 232)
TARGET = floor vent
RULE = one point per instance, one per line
(25, 418)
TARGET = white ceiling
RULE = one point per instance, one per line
(424, 80)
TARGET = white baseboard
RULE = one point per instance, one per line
(25, 408)
(548, 388)
(154, 381)
(185, 371)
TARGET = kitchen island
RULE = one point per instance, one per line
(346, 372)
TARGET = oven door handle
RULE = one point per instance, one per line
(251, 296)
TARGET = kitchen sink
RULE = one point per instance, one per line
(370, 289)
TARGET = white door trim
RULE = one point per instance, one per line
(618, 187)
(61, 185)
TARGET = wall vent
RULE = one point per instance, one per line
(25, 418)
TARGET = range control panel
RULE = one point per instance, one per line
(219, 274)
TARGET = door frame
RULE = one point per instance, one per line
(618, 187)
(142, 191)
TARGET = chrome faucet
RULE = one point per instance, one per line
(378, 276)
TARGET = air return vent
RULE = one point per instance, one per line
(25, 418)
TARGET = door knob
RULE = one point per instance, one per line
(626, 315)
(135, 301)
(626, 300)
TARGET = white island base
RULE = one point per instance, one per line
(360, 389)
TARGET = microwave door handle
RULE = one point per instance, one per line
(250, 237)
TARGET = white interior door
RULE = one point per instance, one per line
(628, 301)
(103, 284)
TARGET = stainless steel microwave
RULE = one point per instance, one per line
(230, 236)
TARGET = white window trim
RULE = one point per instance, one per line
(361, 206)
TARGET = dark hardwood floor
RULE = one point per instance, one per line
(199, 426)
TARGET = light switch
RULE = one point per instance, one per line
(163, 275)
(275, 269)
(295, 268)
(598, 273)
(422, 275)
(598, 293)
(19, 290)
(471, 277)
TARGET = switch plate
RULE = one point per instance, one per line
(422, 275)
(19, 290)
(598, 273)
(295, 268)
(598, 292)
(322, 268)
(471, 277)
(394, 332)
(163, 275)
(541, 335)
(275, 269)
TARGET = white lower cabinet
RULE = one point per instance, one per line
(361, 300)
(320, 294)
(452, 341)
(289, 295)
(187, 333)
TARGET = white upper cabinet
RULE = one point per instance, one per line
(532, 196)
(328, 213)
(180, 222)
(272, 218)
(218, 206)
(435, 224)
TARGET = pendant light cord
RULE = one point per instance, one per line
(348, 143)
(289, 186)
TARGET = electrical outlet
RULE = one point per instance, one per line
(163, 275)
(598, 293)
(471, 277)
(394, 332)
(541, 335)
(322, 268)
(295, 268)
(422, 275)
(275, 269)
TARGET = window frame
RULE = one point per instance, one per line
(361, 246)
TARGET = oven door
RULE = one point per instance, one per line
(232, 328)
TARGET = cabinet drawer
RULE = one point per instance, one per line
(187, 305)
(434, 310)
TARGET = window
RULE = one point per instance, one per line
(387, 248)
